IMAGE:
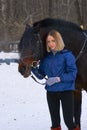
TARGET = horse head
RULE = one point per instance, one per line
(30, 50)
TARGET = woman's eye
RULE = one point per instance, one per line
(48, 41)
(53, 40)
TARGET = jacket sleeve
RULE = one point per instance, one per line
(70, 69)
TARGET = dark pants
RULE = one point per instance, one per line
(67, 101)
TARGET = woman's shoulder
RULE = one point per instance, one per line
(65, 51)
(68, 54)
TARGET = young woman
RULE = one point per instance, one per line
(60, 68)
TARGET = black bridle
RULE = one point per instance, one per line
(83, 47)
(35, 63)
(36, 57)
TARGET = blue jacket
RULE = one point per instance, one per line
(62, 65)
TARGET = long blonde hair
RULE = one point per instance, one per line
(58, 38)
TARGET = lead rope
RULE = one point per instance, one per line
(33, 77)
(36, 80)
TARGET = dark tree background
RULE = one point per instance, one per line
(15, 14)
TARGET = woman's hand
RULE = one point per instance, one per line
(52, 80)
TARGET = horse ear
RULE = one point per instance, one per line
(36, 27)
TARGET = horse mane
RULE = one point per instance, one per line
(60, 23)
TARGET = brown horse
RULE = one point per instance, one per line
(32, 48)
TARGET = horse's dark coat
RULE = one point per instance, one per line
(74, 39)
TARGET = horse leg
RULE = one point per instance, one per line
(77, 107)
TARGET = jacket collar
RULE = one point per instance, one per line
(58, 52)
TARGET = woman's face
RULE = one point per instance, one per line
(51, 43)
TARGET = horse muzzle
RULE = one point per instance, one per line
(24, 69)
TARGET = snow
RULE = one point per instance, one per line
(23, 104)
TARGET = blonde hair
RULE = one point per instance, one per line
(58, 38)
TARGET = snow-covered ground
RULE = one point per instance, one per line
(23, 104)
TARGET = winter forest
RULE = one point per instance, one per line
(14, 15)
